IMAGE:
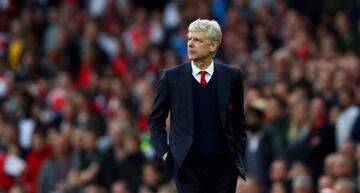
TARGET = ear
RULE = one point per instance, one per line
(214, 46)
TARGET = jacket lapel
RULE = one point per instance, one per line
(223, 91)
(187, 93)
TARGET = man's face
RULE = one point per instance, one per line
(199, 46)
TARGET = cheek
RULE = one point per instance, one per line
(203, 48)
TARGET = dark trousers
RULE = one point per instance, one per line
(207, 174)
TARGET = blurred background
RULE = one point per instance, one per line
(77, 80)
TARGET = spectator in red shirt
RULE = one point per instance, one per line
(40, 151)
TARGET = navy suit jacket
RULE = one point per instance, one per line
(174, 95)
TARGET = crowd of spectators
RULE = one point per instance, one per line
(77, 79)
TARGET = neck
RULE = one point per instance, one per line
(203, 64)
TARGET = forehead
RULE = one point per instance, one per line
(197, 34)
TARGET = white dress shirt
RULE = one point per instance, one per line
(196, 71)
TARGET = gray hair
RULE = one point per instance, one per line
(210, 27)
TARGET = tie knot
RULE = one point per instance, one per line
(203, 73)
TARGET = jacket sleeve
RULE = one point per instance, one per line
(240, 121)
(157, 119)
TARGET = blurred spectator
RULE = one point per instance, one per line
(325, 182)
(16, 44)
(278, 171)
(152, 177)
(53, 174)
(282, 90)
(119, 187)
(329, 164)
(347, 117)
(343, 167)
(298, 148)
(16, 189)
(347, 39)
(123, 161)
(259, 152)
(278, 187)
(301, 184)
(39, 153)
(120, 60)
(298, 168)
(11, 166)
(28, 68)
(344, 186)
(347, 148)
(277, 124)
(321, 137)
(8, 136)
(275, 112)
(86, 162)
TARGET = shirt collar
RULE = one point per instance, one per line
(196, 70)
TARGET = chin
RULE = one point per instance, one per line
(192, 55)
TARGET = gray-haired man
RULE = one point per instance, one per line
(206, 138)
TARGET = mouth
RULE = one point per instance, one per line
(191, 52)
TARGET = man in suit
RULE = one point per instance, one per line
(206, 142)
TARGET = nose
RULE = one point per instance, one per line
(190, 43)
